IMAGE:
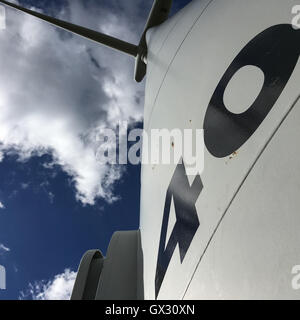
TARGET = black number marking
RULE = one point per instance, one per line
(275, 51)
(187, 222)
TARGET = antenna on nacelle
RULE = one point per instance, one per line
(159, 13)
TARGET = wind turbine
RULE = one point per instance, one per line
(232, 69)
(159, 13)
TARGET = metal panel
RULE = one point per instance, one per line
(159, 60)
(121, 278)
(178, 95)
(256, 246)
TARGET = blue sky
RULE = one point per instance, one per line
(50, 217)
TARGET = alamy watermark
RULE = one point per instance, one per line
(296, 16)
(2, 18)
(2, 278)
(158, 146)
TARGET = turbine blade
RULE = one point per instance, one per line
(96, 36)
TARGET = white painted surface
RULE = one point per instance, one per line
(248, 82)
(182, 79)
(257, 245)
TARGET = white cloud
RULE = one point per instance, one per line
(59, 288)
(2, 206)
(3, 249)
(25, 185)
(57, 90)
(51, 196)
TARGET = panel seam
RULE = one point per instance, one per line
(239, 188)
(171, 63)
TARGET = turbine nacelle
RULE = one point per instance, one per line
(158, 14)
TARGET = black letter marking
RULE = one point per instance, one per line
(275, 51)
(187, 222)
